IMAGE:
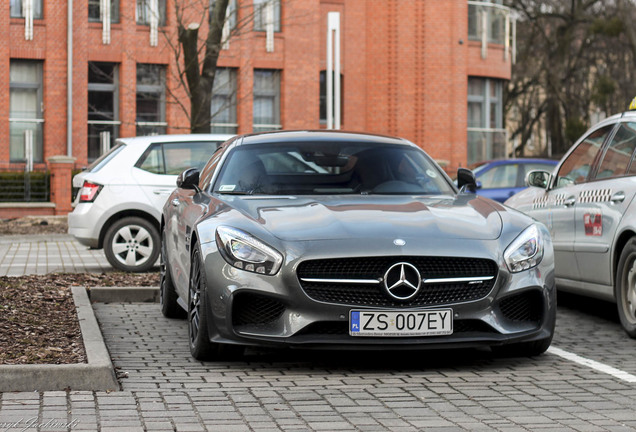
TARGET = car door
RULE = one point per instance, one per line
(602, 203)
(556, 208)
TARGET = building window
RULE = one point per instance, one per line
(266, 100)
(230, 14)
(25, 110)
(103, 108)
(224, 101)
(18, 8)
(323, 97)
(495, 15)
(146, 10)
(151, 99)
(260, 14)
(486, 136)
(95, 11)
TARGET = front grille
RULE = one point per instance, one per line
(330, 328)
(255, 309)
(374, 268)
(524, 307)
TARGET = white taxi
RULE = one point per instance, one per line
(588, 205)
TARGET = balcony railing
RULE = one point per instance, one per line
(492, 23)
(486, 144)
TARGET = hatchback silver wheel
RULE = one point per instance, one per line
(132, 244)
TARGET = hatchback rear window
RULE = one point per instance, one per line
(101, 161)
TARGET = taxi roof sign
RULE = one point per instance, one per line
(632, 106)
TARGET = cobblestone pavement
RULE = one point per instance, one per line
(164, 389)
(38, 254)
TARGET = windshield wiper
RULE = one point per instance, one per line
(234, 192)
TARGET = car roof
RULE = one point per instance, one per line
(145, 140)
(313, 135)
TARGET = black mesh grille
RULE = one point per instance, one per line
(527, 306)
(375, 268)
(342, 328)
(254, 309)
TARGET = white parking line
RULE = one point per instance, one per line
(617, 373)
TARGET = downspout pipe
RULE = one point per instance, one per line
(69, 80)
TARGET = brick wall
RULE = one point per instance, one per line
(405, 66)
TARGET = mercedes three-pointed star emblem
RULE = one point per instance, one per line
(402, 281)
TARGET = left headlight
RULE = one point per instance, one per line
(526, 251)
(246, 252)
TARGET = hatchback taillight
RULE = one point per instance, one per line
(89, 191)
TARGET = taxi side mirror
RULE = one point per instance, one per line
(540, 179)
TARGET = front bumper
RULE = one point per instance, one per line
(251, 309)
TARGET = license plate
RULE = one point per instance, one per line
(435, 322)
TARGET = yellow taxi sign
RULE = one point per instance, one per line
(632, 106)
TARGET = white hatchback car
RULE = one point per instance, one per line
(121, 194)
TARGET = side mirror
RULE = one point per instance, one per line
(189, 179)
(466, 180)
(540, 179)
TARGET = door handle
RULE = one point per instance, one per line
(617, 198)
(569, 202)
(175, 202)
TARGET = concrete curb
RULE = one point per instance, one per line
(124, 294)
(97, 374)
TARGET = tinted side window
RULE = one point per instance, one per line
(208, 170)
(501, 176)
(174, 158)
(619, 152)
(576, 167)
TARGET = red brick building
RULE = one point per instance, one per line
(78, 77)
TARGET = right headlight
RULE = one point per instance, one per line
(246, 252)
(526, 251)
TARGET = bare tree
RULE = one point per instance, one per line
(575, 58)
(199, 60)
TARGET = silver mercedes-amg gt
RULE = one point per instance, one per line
(342, 240)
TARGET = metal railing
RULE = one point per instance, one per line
(20, 186)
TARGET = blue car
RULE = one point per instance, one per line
(501, 179)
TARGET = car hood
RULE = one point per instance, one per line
(351, 217)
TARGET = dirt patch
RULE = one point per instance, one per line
(29, 225)
(38, 322)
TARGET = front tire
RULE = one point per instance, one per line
(167, 293)
(625, 288)
(201, 348)
(132, 244)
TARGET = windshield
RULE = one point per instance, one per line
(319, 168)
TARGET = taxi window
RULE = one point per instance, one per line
(618, 153)
(576, 167)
